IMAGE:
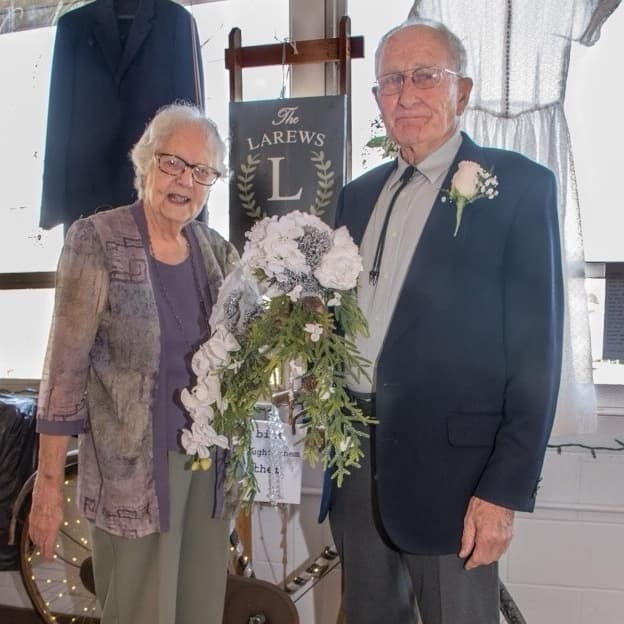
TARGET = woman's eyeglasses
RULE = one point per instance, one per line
(174, 165)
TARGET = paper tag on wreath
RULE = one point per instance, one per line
(291, 461)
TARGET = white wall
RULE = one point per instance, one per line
(566, 562)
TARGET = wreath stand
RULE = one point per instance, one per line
(340, 50)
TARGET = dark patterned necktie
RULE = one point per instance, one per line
(373, 275)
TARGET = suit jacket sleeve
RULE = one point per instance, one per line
(189, 85)
(60, 111)
(533, 330)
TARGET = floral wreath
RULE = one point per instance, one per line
(289, 306)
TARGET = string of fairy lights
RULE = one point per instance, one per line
(61, 590)
(588, 447)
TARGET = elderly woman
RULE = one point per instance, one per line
(133, 297)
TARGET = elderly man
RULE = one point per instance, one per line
(463, 293)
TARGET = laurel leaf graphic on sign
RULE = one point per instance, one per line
(245, 193)
(324, 183)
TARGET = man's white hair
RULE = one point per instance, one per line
(456, 47)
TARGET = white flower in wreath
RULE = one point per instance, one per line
(236, 365)
(215, 355)
(326, 393)
(286, 228)
(296, 368)
(196, 407)
(200, 364)
(341, 265)
(282, 256)
(469, 183)
(315, 331)
(208, 389)
(211, 356)
(303, 219)
(295, 293)
(200, 437)
(206, 360)
(345, 445)
(220, 345)
(258, 231)
(274, 256)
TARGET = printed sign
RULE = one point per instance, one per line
(290, 462)
(286, 154)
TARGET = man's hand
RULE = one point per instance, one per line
(488, 529)
(46, 516)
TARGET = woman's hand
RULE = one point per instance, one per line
(46, 515)
(46, 510)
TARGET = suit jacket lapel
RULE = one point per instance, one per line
(436, 239)
(140, 29)
(106, 33)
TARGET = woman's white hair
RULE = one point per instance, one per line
(164, 124)
(456, 47)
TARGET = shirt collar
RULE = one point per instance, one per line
(434, 166)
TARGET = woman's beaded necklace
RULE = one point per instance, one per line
(168, 299)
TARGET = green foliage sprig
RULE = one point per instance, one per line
(331, 419)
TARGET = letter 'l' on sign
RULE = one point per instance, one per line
(275, 168)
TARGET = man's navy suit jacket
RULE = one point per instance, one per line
(102, 96)
(468, 374)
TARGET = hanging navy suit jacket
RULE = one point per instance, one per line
(101, 97)
(468, 374)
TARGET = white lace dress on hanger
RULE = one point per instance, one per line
(518, 56)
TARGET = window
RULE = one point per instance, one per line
(597, 133)
(371, 24)
(268, 22)
(24, 247)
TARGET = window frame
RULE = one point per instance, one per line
(305, 22)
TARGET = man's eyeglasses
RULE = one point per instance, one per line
(422, 78)
(174, 165)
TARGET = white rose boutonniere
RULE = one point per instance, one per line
(470, 182)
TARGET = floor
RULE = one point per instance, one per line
(12, 592)
(245, 598)
(15, 615)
